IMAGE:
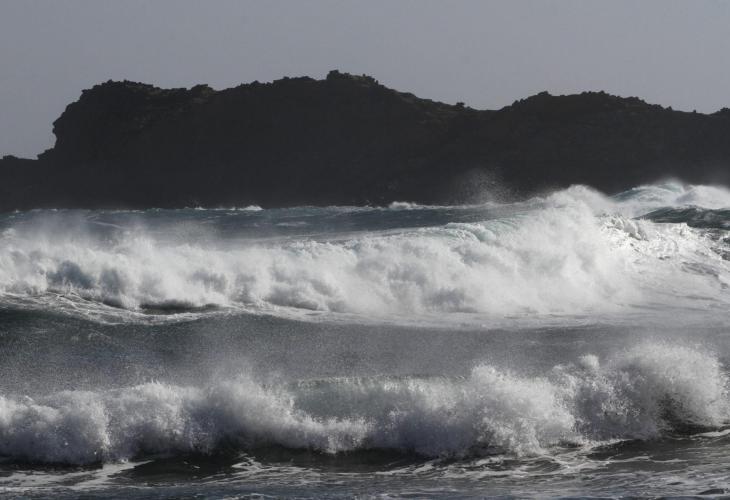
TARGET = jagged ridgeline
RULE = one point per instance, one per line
(347, 140)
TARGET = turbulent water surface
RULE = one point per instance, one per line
(570, 345)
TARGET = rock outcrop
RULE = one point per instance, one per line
(349, 140)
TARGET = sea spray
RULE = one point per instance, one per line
(646, 392)
(574, 252)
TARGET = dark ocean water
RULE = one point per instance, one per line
(570, 345)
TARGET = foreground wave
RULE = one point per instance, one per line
(647, 392)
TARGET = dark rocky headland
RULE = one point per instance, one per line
(347, 140)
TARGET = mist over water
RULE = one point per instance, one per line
(569, 343)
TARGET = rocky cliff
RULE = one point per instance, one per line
(349, 140)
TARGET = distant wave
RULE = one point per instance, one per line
(575, 251)
(407, 205)
(643, 393)
(674, 194)
(692, 216)
(249, 208)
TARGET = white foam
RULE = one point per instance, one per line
(642, 393)
(572, 253)
(648, 390)
(575, 252)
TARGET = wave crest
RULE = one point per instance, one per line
(644, 393)
(574, 254)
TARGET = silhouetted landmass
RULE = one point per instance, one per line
(349, 140)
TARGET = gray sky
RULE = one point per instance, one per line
(487, 54)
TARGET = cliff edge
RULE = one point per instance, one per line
(349, 140)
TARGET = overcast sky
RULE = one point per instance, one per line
(487, 54)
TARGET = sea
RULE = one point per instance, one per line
(571, 345)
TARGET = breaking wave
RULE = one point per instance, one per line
(574, 252)
(643, 393)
